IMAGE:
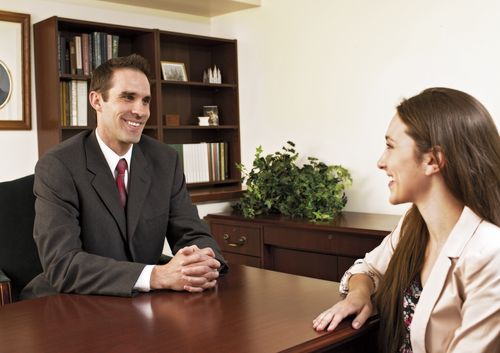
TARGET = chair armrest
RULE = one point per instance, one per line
(5, 290)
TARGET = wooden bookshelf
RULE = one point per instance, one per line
(184, 98)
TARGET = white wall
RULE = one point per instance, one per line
(327, 74)
(323, 73)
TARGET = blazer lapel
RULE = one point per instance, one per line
(138, 187)
(462, 232)
(103, 182)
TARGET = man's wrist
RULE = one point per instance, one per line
(143, 283)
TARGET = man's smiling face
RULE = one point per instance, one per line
(122, 117)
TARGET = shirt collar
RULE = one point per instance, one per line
(111, 157)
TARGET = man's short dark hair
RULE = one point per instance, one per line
(103, 74)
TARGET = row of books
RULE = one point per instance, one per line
(203, 162)
(80, 54)
(74, 103)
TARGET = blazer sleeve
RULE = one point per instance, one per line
(480, 310)
(67, 266)
(375, 263)
(185, 227)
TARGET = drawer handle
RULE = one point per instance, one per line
(240, 241)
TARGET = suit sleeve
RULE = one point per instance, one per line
(185, 227)
(67, 267)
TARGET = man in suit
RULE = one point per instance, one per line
(95, 237)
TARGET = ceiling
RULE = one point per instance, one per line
(206, 8)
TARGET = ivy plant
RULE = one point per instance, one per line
(276, 184)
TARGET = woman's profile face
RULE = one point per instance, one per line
(407, 180)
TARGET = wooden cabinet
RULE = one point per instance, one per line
(183, 98)
(321, 250)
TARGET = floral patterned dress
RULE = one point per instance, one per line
(410, 300)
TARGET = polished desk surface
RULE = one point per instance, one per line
(251, 310)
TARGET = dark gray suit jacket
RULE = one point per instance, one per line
(86, 242)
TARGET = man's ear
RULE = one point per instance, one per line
(434, 161)
(95, 100)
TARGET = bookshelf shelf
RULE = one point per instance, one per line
(199, 84)
(185, 99)
(197, 127)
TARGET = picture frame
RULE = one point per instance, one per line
(173, 71)
(212, 112)
(15, 71)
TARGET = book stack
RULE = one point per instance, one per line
(203, 162)
(80, 54)
(73, 98)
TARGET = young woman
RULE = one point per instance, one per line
(436, 278)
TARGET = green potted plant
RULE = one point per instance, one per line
(276, 184)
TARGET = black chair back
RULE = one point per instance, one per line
(18, 253)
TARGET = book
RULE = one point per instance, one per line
(78, 55)
(72, 56)
(73, 103)
(81, 90)
(115, 46)
(85, 53)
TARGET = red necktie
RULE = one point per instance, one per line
(121, 167)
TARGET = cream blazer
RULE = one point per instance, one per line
(459, 308)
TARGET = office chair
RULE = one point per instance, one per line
(19, 261)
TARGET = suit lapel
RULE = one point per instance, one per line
(138, 187)
(462, 232)
(103, 182)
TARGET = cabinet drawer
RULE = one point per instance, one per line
(237, 239)
(303, 263)
(353, 245)
(242, 259)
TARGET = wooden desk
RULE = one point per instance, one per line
(322, 250)
(252, 310)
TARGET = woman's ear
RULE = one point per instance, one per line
(434, 161)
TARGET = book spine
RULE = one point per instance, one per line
(72, 56)
(223, 161)
(85, 54)
(97, 49)
(115, 44)
(60, 52)
(109, 46)
(78, 50)
(73, 103)
(82, 103)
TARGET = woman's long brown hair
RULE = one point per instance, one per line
(459, 126)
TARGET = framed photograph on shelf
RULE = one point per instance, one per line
(212, 111)
(15, 82)
(173, 71)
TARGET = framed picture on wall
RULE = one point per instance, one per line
(173, 71)
(15, 82)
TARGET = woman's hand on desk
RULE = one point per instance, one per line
(358, 301)
(191, 269)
